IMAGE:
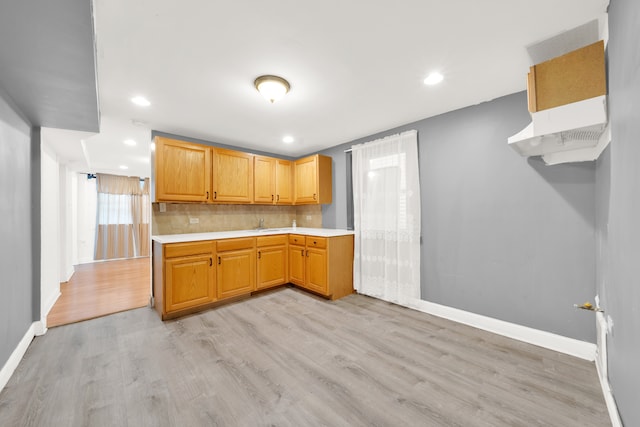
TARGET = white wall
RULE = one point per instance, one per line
(67, 225)
(86, 218)
(50, 230)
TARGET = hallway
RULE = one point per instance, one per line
(101, 288)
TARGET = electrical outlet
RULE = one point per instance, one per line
(162, 207)
(194, 220)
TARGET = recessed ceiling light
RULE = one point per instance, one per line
(123, 167)
(129, 142)
(287, 139)
(141, 101)
(433, 78)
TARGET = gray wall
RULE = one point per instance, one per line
(19, 285)
(503, 236)
(618, 210)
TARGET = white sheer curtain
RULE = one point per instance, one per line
(122, 225)
(386, 201)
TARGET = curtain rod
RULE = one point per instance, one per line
(348, 150)
(93, 176)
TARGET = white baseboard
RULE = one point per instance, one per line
(612, 407)
(583, 350)
(49, 304)
(602, 368)
(14, 360)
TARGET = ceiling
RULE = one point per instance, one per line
(355, 68)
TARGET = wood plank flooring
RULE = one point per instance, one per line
(102, 288)
(285, 358)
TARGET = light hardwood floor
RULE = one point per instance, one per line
(102, 288)
(285, 358)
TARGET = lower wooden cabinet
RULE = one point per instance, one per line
(187, 276)
(323, 265)
(271, 261)
(236, 267)
(297, 262)
(192, 276)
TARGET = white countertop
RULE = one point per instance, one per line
(216, 235)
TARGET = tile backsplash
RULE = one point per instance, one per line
(182, 218)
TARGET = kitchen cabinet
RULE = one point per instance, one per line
(182, 171)
(232, 176)
(312, 180)
(297, 260)
(264, 180)
(323, 265)
(236, 267)
(271, 261)
(186, 278)
(284, 182)
(272, 181)
(189, 172)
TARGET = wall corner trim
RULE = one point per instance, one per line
(581, 349)
(612, 407)
(36, 328)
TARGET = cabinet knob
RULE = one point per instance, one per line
(314, 196)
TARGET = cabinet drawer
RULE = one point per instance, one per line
(173, 250)
(280, 239)
(316, 242)
(235, 244)
(296, 239)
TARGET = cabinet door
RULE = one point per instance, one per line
(232, 176)
(296, 264)
(189, 282)
(284, 182)
(272, 266)
(264, 180)
(306, 180)
(182, 171)
(316, 271)
(236, 272)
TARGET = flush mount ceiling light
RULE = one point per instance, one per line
(129, 142)
(140, 101)
(272, 88)
(124, 167)
(433, 79)
(288, 139)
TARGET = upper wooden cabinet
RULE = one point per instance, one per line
(182, 171)
(232, 176)
(264, 180)
(313, 180)
(190, 172)
(272, 181)
(284, 182)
